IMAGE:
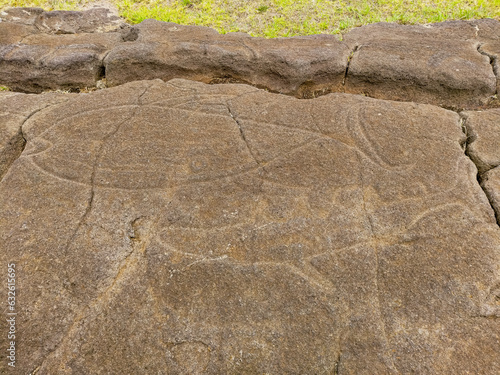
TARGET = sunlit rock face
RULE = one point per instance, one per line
(184, 228)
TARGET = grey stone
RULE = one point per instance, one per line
(188, 228)
(22, 15)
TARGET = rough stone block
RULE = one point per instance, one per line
(43, 62)
(300, 66)
(421, 64)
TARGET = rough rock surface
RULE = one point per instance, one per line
(483, 147)
(15, 109)
(450, 64)
(50, 62)
(301, 66)
(490, 181)
(483, 130)
(427, 64)
(184, 228)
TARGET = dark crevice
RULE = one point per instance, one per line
(12, 152)
(351, 55)
(493, 59)
(101, 73)
(336, 366)
(494, 66)
(481, 180)
(465, 144)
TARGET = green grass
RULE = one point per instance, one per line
(277, 18)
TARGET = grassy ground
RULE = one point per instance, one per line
(276, 18)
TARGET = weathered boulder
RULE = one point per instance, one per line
(426, 64)
(450, 64)
(300, 66)
(188, 228)
(48, 62)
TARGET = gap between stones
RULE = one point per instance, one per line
(351, 55)
(493, 61)
(469, 139)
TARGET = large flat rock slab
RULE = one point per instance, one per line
(438, 64)
(184, 228)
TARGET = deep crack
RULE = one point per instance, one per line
(493, 63)
(349, 59)
(469, 139)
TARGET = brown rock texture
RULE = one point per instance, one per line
(301, 66)
(50, 62)
(427, 64)
(483, 147)
(64, 22)
(184, 228)
(15, 109)
(168, 226)
(490, 181)
(450, 64)
(483, 130)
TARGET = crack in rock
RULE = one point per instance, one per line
(493, 63)
(242, 134)
(18, 144)
(470, 137)
(349, 59)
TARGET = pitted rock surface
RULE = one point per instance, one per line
(179, 227)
